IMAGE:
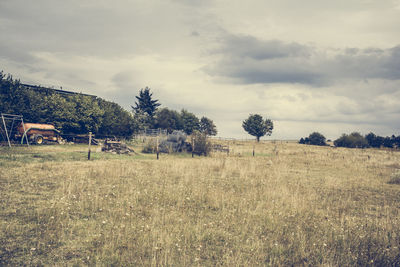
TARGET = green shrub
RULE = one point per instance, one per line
(201, 145)
(315, 138)
(353, 140)
(150, 147)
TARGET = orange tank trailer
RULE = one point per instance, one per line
(39, 133)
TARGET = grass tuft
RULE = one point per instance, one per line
(395, 178)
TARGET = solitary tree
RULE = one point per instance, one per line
(316, 139)
(207, 126)
(256, 126)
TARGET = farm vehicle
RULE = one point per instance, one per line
(38, 133)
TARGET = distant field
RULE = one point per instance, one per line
(291, 204)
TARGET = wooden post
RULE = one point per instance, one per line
(193, 146)
(253, 150)
(90, 142)
(157, 150)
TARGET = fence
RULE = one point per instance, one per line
(152, 132)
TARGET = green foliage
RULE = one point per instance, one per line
(354, 140)
(201, 145)
(207, 126)
(379, 141)
(190, 122)
(256, 126)
(314, 138)
(79, 114)
(168, 119)
(150, 147)
(374, 140)
(116, 120)
(71, 114)
(147, 105)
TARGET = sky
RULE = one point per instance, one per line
(313, 65)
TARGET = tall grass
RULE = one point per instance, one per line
(289, 205)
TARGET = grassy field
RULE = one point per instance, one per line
(291, 204)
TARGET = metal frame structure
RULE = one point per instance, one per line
(8, 133)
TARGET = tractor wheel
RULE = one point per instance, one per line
(38, 139)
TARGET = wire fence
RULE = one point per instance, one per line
(153, 132)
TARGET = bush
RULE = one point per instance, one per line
(150, 147)
(201, 145)
(315, 138)
(354, 140)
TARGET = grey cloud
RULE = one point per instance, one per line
(16, 55)
(249, 71)
(248, 60)
(92, 28)
(194, 3)
(251, 47)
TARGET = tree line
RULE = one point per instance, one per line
(354, 140)
(80, 114)
(146, 111)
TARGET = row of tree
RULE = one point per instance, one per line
(79, 114)
(70, 113)
(146, 112)
(354, 140)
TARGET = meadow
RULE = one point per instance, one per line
(289, 205)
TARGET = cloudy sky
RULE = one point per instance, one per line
(312, 65)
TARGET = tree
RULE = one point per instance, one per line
(397, 141)
(202, 146)
(207, 126)
(116, 120)
(256, 126)
(374, 140)
(388, 142)
(190, 122)
(353, 140)
(75, 114)
(146, 104)
(168, 119)
(316, 139)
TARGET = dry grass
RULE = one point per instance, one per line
(290, 205)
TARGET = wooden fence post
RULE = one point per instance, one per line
(193, 147)
(90, 142)
(157, 150)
